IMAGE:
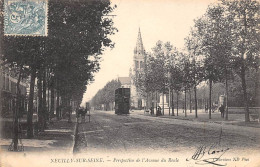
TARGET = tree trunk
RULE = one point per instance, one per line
(16, 110)
(243, 78)
(30, 104)
(256, 101)
(195, 87)
(243, 70)
(40, 104)
(156, 99)
(66, 106)
(44, 97)
(151, 102)
(172, 104)
(256, 87)
(169, 102)
(48, 92)
(177, 103)
(48, 102)
(58, 101)
(147, 102)
(226, 77)
(195, 101)
(185, 110)
(163, 104)
(63, 107)
(190, 101)
(52, 100)
(58, 105)
(209, 104)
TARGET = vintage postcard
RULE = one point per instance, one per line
(145, 83)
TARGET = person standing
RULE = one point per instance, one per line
(206, 108)
(159, 111)
(222, 110)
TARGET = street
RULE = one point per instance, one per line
(107, 132)
(139, 139)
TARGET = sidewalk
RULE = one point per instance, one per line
(59, 136)
(233, 119)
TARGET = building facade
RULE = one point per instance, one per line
(8, 90)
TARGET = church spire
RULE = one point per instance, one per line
(139, 49)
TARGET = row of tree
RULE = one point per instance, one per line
(106, 95)
(64, 61)
(224, 43)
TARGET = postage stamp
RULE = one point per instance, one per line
(25, 17)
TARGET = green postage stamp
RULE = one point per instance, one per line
(25, 17)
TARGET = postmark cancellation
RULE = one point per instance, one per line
(25, 17)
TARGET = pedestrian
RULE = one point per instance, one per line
(83, 114)
(206, 108)
(222, 110)
(159, 109)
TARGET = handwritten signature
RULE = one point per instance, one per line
(209, 154)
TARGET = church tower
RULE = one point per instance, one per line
(138, 64)
(139, 53)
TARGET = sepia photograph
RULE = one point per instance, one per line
(138, 83)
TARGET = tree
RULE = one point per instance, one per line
(192, 43)
(159, 69)
(21, 52)
(109, 91)
(244, 23)
(215, 45)
(78, 33)
(106, 95)
(176, 76)
(82, 41)
(187, 82)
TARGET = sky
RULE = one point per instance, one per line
(165, 20)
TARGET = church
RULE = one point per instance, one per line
(136, 101)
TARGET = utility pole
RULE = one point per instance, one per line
(169, 104)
